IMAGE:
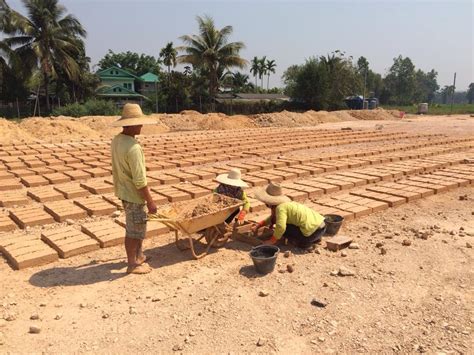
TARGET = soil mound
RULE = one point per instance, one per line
(210, 121)
(377, 114)
(11, 133)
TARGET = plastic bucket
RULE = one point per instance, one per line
(333, 223)
(264, 258)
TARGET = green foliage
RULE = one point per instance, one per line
(211, 52)
(168, 54)
(137, 64)
(89, 108)
(401, 81)
(322, 83)
(470, 93)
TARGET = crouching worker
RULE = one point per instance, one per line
(130, 183)
(231, 185)
(301, 225)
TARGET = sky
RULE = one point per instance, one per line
(434, 34)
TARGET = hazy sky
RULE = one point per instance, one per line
(434, 34)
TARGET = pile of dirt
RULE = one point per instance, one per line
(11, 133)
(377, 114)
(190, 121)
(294, 119)
(186, 210)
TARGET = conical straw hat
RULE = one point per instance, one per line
(272, 195)
(132, 115)
(232, 178)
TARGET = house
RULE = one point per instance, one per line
(122, 86)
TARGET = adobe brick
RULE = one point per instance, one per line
(26, 250)
(95, 206)
(44, 194)
(30, 216)
(65, 209)
(107, 233)
(68, 241)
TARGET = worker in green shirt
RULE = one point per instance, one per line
(130, 184)
(231, 185)
(301, 225)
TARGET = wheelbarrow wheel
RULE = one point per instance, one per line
(216, 236)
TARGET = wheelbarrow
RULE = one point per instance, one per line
(187, 219)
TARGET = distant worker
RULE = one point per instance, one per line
(130, 183)
(231, 185)
(301, 225)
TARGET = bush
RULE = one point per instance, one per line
(89, 108)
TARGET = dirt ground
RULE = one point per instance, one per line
(413, 298)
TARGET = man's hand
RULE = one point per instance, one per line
(259, 225)
(151, 207)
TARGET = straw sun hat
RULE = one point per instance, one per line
(272, 195)
(232, 178)
(132, 115)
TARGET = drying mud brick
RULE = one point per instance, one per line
(68, 241)
(97, 187)
(338, 242)
(71, 191)
(10, 184)
(44, 194)
(97, 172)
(77, 174)
(107, 233)
(10, 199)
(193, 190)
(62, 210)
(95, 206)
(114, 200)
(30, 216)
(6, 224)
(172, 194)
(392, 201)
(57, 178)
(34, 180)
(26, 250)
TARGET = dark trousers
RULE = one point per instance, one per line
(230, 219)
(294, 235)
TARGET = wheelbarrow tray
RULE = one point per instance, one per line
(175, 212)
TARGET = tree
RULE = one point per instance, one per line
(400, 81)
(446, 93)
(470, 93)
(211, 51)
(254, 69)
(426, 86)
(137, 64)
(262, 69)
(187, 70)
(46, 38)
(240, 83)
(270, 68)
(168, 54)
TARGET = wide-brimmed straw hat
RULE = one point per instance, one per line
(272, 195)
(232, 178)
(132, 115)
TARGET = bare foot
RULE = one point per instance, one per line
(139, 269)
(141, 259)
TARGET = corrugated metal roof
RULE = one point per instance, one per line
(149, 77)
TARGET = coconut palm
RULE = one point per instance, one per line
(211, 51)
(255, 69)
(262, 68)
(187, 70)
(46, 38)
(168, 54)
(270, 68)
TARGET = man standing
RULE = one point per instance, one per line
(129, 175)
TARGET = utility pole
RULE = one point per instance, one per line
(452, 95)
(363, 95)
(156, 95)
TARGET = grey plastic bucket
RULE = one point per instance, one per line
(264, 258)
(333, 223)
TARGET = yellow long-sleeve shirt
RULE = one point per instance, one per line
(306, 219)
(128, 168)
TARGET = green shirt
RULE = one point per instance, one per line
(306, 219)
(128, 168)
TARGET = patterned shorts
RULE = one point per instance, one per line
(135, 220)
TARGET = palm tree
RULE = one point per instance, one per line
(240, 81)
(187, 70)
(168, 53)
(46, 38)
(255, 69)
(470, 93)
(211, 51)
(270, 68)
(262, 68)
